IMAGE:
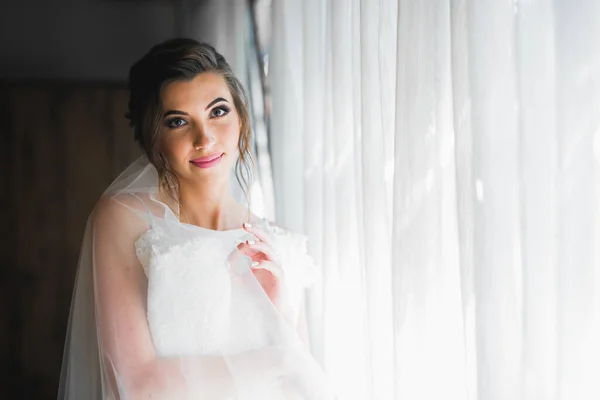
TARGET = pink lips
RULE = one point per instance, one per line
(208, 161)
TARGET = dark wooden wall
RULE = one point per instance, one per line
(61, 145)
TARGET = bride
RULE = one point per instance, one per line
(181, 292)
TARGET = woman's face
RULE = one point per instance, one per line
(199, 129)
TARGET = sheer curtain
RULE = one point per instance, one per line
(443, 158)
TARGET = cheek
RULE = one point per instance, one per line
(235, 134)
(172, 149)
(230, 132)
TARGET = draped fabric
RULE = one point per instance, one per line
(443, 159)
(166, 310)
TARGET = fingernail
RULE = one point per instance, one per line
(247, 225)
(250, 242)
(254, 263)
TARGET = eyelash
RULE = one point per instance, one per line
(223, 108)
(171, 120)
(226, 110)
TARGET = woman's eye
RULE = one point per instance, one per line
(176, 123)
(220, 111)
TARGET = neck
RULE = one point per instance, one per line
(209, 206)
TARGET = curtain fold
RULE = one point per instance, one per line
(443, 158)
(428, 314)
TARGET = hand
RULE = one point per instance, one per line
(267, 269)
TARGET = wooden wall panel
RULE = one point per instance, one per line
(40, 227)
(9, 313)
(63, 144)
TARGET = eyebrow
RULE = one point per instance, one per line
(177, 112)
(218, 99)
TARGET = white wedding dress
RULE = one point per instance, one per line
(191, 293)
(185, 318)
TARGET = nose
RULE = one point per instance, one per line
(203, 140)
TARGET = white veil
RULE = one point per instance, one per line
(109, 350)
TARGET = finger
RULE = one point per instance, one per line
(270, 266)
(249, 250)
(260, 233)
(264, 248)
(246, 248)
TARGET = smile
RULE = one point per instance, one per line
(208, 161)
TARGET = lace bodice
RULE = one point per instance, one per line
(192, 290)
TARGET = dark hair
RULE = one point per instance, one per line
(181, 60)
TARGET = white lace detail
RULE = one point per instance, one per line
(190, 289)
(300, 268)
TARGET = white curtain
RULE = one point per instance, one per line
(444, 159)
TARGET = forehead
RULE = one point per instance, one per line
(201, 90)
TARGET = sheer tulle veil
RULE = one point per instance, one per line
(102, 360)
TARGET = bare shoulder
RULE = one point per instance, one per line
(120, 212)
(114, 206)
